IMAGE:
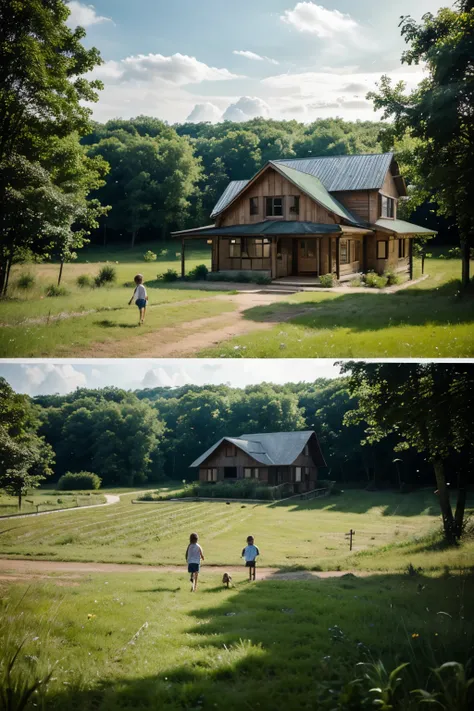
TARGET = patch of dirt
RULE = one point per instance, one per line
(39, 568)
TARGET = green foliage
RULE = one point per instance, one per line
(78, 481)
(375, 281)
(199, 273)
(391, 277)
(84, 281)
(239, 277)
(241, 489)
(150, 256)
(26, 281)
(327, 280)
(168, 276)
(107, 275)
(54, 290)
(357, 281)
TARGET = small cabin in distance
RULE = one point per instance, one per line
(313, 216)
(273, 458)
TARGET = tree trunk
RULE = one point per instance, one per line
(60, 271)
(134, 235)
(444, 502)
(7, 276)
(465, 257)
(460, 506)
(19, 500)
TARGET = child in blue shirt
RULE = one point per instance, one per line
(249, 554)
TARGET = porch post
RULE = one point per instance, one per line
(364, 254)
(320, 255)
(218, 242)
(410, 259)
(338, 258)
(183, 272)
(273, 251)
(329, 254)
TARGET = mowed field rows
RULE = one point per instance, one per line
(305, 534)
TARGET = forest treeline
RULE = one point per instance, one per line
(131, 438)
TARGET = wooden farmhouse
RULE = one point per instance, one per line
(272, 458)
(313, 216)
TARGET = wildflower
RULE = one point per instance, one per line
(415, 635)
(90, 616)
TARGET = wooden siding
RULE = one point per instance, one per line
(393, 261)
(272, 184)
(357, 201)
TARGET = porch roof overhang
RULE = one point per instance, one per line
(285, 228)
(401, 227)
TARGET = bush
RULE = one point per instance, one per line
(169, 275)
(26, 281)
(79, 481)
(150, 256)
(374, 281)
(240, 277)
(83, 281)
(53, 290)
(241, 489)
(357, 281)
(198, 273)
(327, 280)
(391, 277)
(262, 279)
(107, 275)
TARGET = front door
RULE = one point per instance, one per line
(308, 256)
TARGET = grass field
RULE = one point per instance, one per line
(48, 500)
(428, 320)
(392, 530)
(115, 641)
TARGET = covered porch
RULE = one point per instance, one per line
(283, 249)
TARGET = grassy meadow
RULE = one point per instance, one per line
(427, 320)
(48, 500)
(392, 530)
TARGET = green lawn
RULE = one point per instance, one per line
(48, 500)
(428, 320)
(143, 641)
(392, 530)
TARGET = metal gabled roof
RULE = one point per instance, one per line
(266, 227)
(339, 173)
(231, 191)
(312, 186)
(271, 449)
(401, 227)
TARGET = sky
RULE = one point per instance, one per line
(49, 377)
(209, 60)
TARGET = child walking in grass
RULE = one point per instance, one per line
(140, 296)
(194, 555)
(249, 554)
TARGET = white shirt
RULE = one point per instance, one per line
(194, 553)
(250, 553)
(140, 292)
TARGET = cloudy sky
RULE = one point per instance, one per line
(212, 60)
(49, 377)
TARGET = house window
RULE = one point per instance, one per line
(235, 247)
(297, 474)
(274, 207)
(254, 206)
(306, 473)
(230, 450)
(306, 450)
(295, 205)
(402, 248)
(308, 248)
(250, 472)
(387, 206)
(230, 472)
(344, 252)
(382, 249)
(211, 475)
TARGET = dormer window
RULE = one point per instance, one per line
(254, 205)
(295, 205)
(387, 206)
(274, 207)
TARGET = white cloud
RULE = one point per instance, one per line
(316, 19)
(161, 377)
(205, 112)
(177, 69)
(50, 378)
(83, 15)
(247, 107)
(252, 55)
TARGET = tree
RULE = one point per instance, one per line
(428, 406)
(42, 95)
(25, 458)
(438, 114)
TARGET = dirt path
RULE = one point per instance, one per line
(109, 500)
(14, 569)
(189, 337)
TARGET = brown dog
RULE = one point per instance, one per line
(227, 579)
